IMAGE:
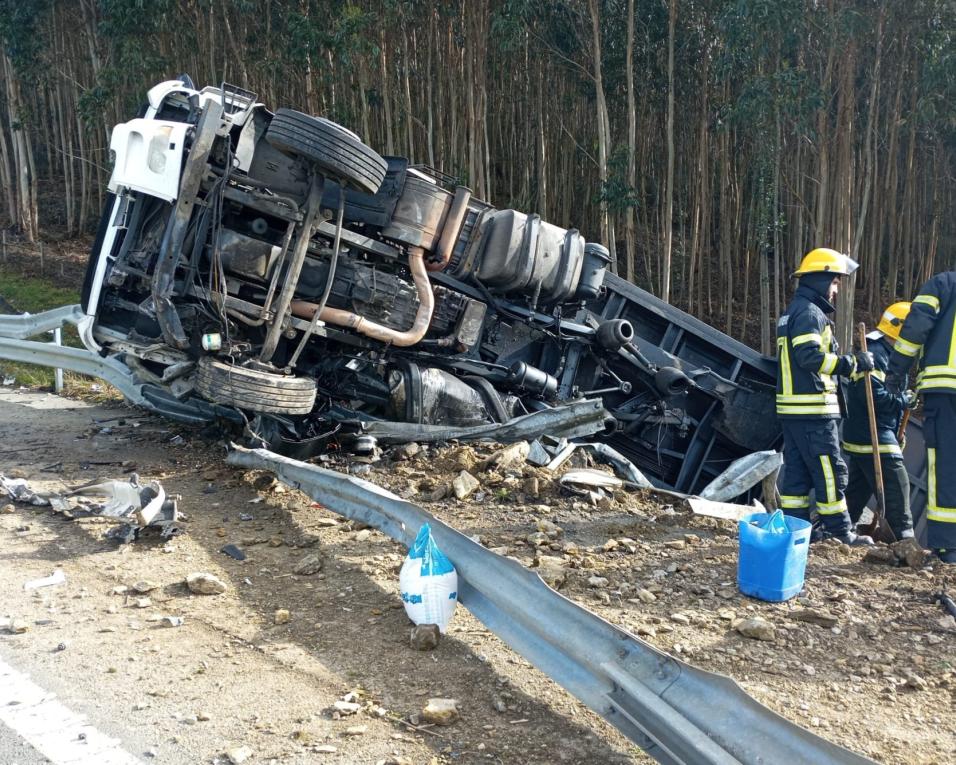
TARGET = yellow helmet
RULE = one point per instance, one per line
(824, 260)
(891, 322)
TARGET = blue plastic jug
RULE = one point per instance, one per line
(772, 561)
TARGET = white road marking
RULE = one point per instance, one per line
(51, 728)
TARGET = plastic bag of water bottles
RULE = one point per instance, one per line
(428, 582)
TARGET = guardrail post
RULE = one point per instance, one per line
(58, 373)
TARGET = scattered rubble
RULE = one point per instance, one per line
(345, 708)
(755, 627)
(233, 551)
(309, 565)
(465, 484)
(281, 616)
(441, 711)
(819, 617)
(202, 583)
(905, 552)
(552, 570)
(238, 754)
(13, 626)
(425, 637)
(57, 577)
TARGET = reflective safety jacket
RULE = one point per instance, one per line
(888, 407)
(929, 333)
(808, 359)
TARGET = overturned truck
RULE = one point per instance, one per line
(272, 270)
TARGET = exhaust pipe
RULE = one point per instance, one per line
(451, 230)
(342, 318)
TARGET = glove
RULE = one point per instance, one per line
(895, 384)
(865, 361)
(909, 398)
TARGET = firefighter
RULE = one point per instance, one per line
(857, 443)
(807, 401)
(930, 334)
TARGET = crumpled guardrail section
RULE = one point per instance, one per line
(13, 346)
(677, 713)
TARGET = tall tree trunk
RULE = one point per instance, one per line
(603, 129)
(669, 190)
(630, 239)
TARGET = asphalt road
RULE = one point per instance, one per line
(15, 751)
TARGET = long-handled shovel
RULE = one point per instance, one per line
(878, 528)
(901, 432)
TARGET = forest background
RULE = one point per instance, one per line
(708, 143)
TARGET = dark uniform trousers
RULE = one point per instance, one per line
(939, 431)
(812, 461)
(896, 487)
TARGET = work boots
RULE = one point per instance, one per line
(846, 536)
(946, 556)
(852, 538)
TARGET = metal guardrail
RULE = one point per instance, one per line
(677, 713)
(13, 346)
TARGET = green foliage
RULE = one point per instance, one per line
(20, 29)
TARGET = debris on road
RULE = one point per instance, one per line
(309, 565)
(425, 637)
(137, 506)
(233, 551)
(57, 577)
(19, 491)
(439, 711)
(13, 626)
(202, 583)
(281, 616)
(238, 754)
(755, 627)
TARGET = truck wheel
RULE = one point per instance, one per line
(254, 390)
(336, 151)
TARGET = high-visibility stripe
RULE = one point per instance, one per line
(889, 317)
(805, 410)
(794, 502)
(867, 449)
(931, 300)
(934, 511)
(857, 376)
(810, 337)
(906, 347)
(952, 347)
(936, 383)
(784, 352)
(831, 508)
(828, 479)
(938, 369)
(829, 363)
(807, 398)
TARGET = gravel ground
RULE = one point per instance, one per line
(872, 670)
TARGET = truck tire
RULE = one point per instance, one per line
(336, 151)
(254, 390)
